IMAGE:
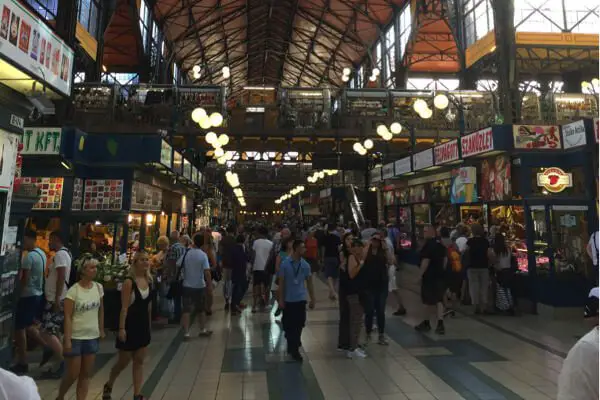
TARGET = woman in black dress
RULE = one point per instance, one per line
(134, 325)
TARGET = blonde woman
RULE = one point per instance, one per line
(83, 328)
(134, 325)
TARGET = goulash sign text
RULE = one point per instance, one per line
(477, 142)
(447, 152)
(554, 180)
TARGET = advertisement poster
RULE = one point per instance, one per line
(21, 33)
(177, 163)
(418, 194)
(166, 154)
(495, 179)
(539, 137)
(145, 197)
(50, 192)
(440, 190)
(388, 198)
(103, 194)
(77, 194)
(41, 141)
(187, 169)
(464, 185)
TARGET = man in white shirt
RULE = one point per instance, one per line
(261, 250)
(578, 379)
(462, 233)
(55, 291)
(593, 247)
(13, 387)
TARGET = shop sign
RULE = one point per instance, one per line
(376, 175)
(423, 159)
(402, 166)
(50, 190)
(554, 180)
(387, 171)
(17, 122)
(103, 195)
(145, 197)
(187, 169)
(477, 142)
(166, 154)
(574, 134)
(534, 137)
(41, 141)
(178, 162)
(29, 43)
(446, 152)
(77, 194)
(568, 220)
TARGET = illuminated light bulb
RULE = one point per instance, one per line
(196, 75)
(205, 122)
(388, 136)
(426, 113)
(301, 188)
(376, 72)
(223, 139)
(334, 172)
(373, 78)
(382, 130)
(585, 85)
(419, 105)
(197, 114)
(347, 71)
(441, 101)
(229, 155)
(396, 128)
(196, 69)
(219, 152)
(216, 119)
(228, 174)
(211, 137)
(321, 175)
(363, 151)
(221, 160)
(368, 144)
(345, 78)
(357, 146)
(226, 72)
(595, 82)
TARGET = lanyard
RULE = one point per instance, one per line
(297, 269)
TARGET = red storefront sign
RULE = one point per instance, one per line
(477, 142)
(446, 152)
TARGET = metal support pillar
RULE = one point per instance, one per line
(506, 60)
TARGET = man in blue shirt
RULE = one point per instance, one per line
(294, 279)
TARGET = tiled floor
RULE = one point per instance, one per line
(479, 358)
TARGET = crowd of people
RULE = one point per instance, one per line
(65, 315)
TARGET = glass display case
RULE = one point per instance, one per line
(472, 214)
(444, 215)
(510, 221)
(540, 243)
(569, 241)
(405, 227)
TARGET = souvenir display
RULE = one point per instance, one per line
(103, 194)
(50, 190)
(77, 194)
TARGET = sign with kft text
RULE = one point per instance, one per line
(446, 152)
(41, 141)
(477, 142)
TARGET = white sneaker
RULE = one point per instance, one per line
(357, 353)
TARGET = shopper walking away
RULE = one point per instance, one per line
(84, 327)
(174, 253)
(454, 272)
(226, 248)
(377, 285)
(261, 251)
(194, 270)
(578, 379)
(31, 296)
(331, 244)
(207, 241)
(478, 253)
(294, 274)
(392, 269)
(134, 325)
(344, 322)
(312, 251)
(55, 290)
(354, 285)
(239, 260)
(433, 261)
(502, 261)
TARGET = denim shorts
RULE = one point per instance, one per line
(83, 347)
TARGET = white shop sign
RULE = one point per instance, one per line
(574, 134)
(376, 175)
(477, 142)
(26, 41)
(423, 159)
(387, 171)
(446, 152)
(41, 141)
(402, 166)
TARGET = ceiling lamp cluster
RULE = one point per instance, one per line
(196, 71)
(226, 72)
(290, 194)
(314, 178)
(218, 142)
(233, 179)
(346, 74)
(361, 148)
(206, 121)
(440, 101)
(374, 74)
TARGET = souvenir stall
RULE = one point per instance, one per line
(444, 213)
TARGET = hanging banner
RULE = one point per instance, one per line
(387, 171)
(41, 141)
(446, 152)
(402, 166)
(574, 134)
(27, 42)
(478, 142)
(536, 137)
(423, 159)
(464, 185)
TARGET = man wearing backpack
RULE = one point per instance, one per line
(55, 291)
(29, 304)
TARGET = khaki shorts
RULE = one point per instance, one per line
(193, 299)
